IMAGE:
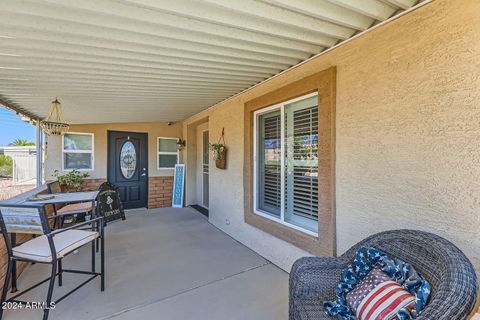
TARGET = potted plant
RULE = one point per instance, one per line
(219, 154)
(71, 181)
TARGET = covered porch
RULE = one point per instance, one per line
(340, 119)
(169, 264)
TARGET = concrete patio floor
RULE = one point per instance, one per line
(166, 264)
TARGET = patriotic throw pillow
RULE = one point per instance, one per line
(373, 279)
(379, 298)
(377, 287)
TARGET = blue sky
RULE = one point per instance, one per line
(11, 128)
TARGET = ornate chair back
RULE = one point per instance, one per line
(109, 204)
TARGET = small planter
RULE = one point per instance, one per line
(221, 160)
(220, 152)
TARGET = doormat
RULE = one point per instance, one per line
(200, 209)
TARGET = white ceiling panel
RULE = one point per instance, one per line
(162, 60)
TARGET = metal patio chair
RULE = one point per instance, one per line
(48, 247)
(451, 275)
(70, 210)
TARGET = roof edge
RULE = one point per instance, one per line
(17, 109)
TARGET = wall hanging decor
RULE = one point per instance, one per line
(220, 152)
(181, 144)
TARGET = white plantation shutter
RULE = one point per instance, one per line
(302, 164)
(269, 168)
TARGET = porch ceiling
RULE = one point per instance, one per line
(162, 60)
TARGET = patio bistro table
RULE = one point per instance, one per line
(59, 198)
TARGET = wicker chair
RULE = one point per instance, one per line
(451, 275)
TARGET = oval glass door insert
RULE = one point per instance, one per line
(128, 159)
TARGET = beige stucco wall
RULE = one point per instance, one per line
(408, 134)
(154, 130)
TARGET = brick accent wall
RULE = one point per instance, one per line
(93, 184)
(160, 192)
(4, 258)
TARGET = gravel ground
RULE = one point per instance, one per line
(8, 190)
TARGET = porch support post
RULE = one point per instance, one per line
(39, 146)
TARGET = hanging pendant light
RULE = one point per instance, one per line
(54, 123)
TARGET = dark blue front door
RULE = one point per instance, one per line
(128, 166)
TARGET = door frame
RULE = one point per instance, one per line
(147, 165)
(203, 185)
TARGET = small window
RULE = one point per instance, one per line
(167, 153)
(77, 151)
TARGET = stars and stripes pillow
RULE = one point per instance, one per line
(384, 302)
(378, 298)
(371, 280)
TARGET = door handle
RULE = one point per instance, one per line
(143, 174)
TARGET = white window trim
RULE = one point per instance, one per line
(78, 151)
(256, 210)
(177, 153)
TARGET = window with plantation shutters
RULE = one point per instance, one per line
(286, 162)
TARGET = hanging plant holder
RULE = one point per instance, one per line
(221, 162)
(54, 123)
(220, 152)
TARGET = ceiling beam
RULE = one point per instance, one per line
(403, 4)
(114, 91)
(53, 79)
(322, 9)
(26, 62)
(28, 65)
(280, 15)
(54, 82)
(86, 74)
(82, 94)
(33, 40)
(116, 58)
(37, 90)
(372, 8)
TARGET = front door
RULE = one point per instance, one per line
(127, 166)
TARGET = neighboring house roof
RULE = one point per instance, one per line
(14, 150)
